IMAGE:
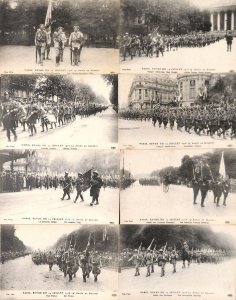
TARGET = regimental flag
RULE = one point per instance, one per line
(89, 240)
(222, 171)
(140, 248)
(48, 18)
(87, 178)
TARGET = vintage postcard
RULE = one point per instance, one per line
(177, 262)
(51, 186)
(59, 261)
(177, 35)
(177, 110)
(59, 36)
(59, 111)
(178, 186)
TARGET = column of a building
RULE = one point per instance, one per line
(218, 21)
(232, 20)
(225, 21)
(212, 21)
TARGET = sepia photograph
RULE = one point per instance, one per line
(78, 110)
(51, 186)
(177, 261)
(66, 258)
(177, 109)
(178, 185)
(65, 35)
(177, 34)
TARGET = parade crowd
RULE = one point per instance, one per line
(17, 181)
(212, 119)
(154, 43)
(9, 255)
(47, 115)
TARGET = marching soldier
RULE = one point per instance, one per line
(173, 259)
(136, 260)
(50, 260)
(229, 41)
(76, 42)
(161, 260)
(96, 184)
(79, 187)
(196, 182)
(206, 176)
(96, 265)
(40, 43)
(66, 186)
(84, 263)
(148, 258)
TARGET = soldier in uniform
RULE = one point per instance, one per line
(206, 177)
(66, 186)
(79, 187)
(76, 42)
(59, 40)
(96, 265)
(229, 40)
(84, 263)
(40, 43)
(96, 184)
(50, 260)
(161, 260)
(173, 259)
(136, 260)
(196, 182)
(48, 41)
(148, 259)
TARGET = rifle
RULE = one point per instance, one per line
(36, 54)
(70, 55)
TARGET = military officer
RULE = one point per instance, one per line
(76, 42)
(59, 39)
(148, 259)
(40, 43)
(66, 186)
(84, 263)
(196, 182)
(79, 187)
(96, 184)
(161, 260)
(48, 41)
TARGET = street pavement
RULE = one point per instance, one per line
(95, 60)
(210, 58)
(212, 281)
(97, 130)
(23, 274)
(28, 206)
(144, 203)
(133, 134)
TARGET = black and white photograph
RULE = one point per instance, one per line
(178, 185)
(177, 261)
(160, 35)
(54, 186)
(177, 109)
(77, 110)
(59, 35)
(51, 258)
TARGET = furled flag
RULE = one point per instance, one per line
(222, 171)
(48, 18)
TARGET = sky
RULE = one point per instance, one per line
(211, 3)
(42, 236)
(97, 83)
(146, 161)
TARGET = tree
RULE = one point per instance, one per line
(113, 80)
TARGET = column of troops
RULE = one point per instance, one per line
(69, 261)
(44, 40)
(210, 120)
(155, 44)
(12, 254)
(49, 115)
(148, 258)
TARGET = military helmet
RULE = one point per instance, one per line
(96, 172)
(60, 27)
(135, 250)
(161, 250)
(80, 174)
